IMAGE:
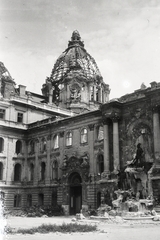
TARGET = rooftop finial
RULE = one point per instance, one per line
(75, 36)
(76, 39)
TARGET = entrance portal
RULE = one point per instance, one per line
(75, 193)
(75, 199)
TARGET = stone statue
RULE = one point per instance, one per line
(139, 156)
(137, 159)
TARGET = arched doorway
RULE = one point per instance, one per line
(75, 193)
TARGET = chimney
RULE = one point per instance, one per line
(22, 90)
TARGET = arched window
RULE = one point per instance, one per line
(1, 144)
(84, 135)
(43, 169)
(56, 141)
(100, 133)
(18, 147)
(1, 171)
(17, 172)
(100, 163)
(40, 199)
(69, 139)
(55, 170)
(31, 171)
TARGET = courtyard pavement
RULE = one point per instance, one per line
(108, 229)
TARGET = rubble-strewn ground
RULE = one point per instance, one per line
(112, 229)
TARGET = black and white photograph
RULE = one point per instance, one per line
(79, 119)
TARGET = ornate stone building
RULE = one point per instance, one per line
(72, 146)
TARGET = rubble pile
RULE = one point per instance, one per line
(127, 207)
(37, 211)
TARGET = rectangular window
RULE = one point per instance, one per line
(100, 133)
(29, 200)
(2, 113)
(20, 117)
(17, 200)
(84, 135)
(69, 139)
(56, 142)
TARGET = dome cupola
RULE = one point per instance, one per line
(76, 82)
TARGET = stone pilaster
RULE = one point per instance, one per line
(36, 165)
(91, 147)
(48, 164)
(106, 146)
(156, 134)
(116, 156)
(61, 149)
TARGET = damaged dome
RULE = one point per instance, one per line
(75, 59)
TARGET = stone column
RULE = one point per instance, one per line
(100, 94)
(94, 92)
(51, 95)
(106, 146)
(116, 143)
(156, 134)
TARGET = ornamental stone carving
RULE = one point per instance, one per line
(75, 95)
(77, 164)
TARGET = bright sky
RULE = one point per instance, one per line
(123, 36)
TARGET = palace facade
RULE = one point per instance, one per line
(73, 146)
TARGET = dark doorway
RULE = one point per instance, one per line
(75, 193)
(41, 199)
(98, 199)
(75, 199)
